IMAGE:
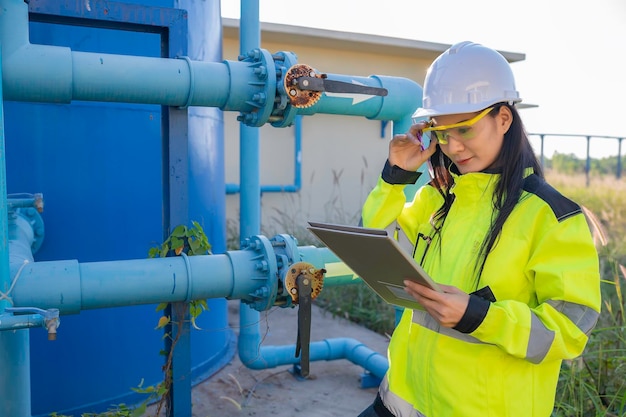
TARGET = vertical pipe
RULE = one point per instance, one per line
(588, 161)
(297, 179)
(14, 346)
(250, 195)
(618, 174)
(5, 281)
(249, 167)
(543, 163)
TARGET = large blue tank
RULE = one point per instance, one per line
(100, 169)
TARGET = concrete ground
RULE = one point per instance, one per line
(333, 388)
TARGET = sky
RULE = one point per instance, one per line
(575, 65)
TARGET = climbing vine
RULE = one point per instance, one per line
(190, 241)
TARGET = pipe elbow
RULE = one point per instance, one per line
(403, 98)
(359, 354)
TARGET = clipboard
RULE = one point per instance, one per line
(377, 259)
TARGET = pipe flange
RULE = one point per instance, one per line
(29, 219)
(266, 269)
(262, 98)
(284, 113)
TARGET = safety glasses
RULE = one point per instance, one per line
(463, 130)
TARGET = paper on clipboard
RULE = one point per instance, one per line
(376, 258)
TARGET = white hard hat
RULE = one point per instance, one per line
(466, 78)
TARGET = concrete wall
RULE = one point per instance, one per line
(342, 156)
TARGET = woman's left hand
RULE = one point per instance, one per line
(447, 307)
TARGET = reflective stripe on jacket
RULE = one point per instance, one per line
(544, 275)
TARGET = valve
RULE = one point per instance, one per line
(303, 283)
(51, 320)
(304, 86)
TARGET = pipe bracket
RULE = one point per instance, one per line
(192, 82)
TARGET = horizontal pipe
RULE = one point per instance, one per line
(117, 78)
(235, 188)
(403, 97)
(71, 286)
(22, 321)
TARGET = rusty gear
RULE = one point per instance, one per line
(297, 97)
(309, 271)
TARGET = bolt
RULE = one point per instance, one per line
(259, 98)
(305, 281)
(293, 92)
(261, 266)
(305, 83)
(294, 291)
(254, 54)
(251, 118)
(261, 72)
(262, 292)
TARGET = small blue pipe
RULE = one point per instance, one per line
(24, 321)
(326, 350)
(288, 188)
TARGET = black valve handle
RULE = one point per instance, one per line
(304, 324)
(333, 86)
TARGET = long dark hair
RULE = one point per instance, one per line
(514, 158)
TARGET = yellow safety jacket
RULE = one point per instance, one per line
(504, 357)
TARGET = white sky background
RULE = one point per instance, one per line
(575, 66)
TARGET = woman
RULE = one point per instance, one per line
(515, 259)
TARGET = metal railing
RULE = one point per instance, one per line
(618, 172)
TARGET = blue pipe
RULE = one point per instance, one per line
(327, 350)
(250, 196)
(24, 321)
(28, 69)
(297, 183)
(19, 237)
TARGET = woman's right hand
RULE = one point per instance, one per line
(407, 150)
